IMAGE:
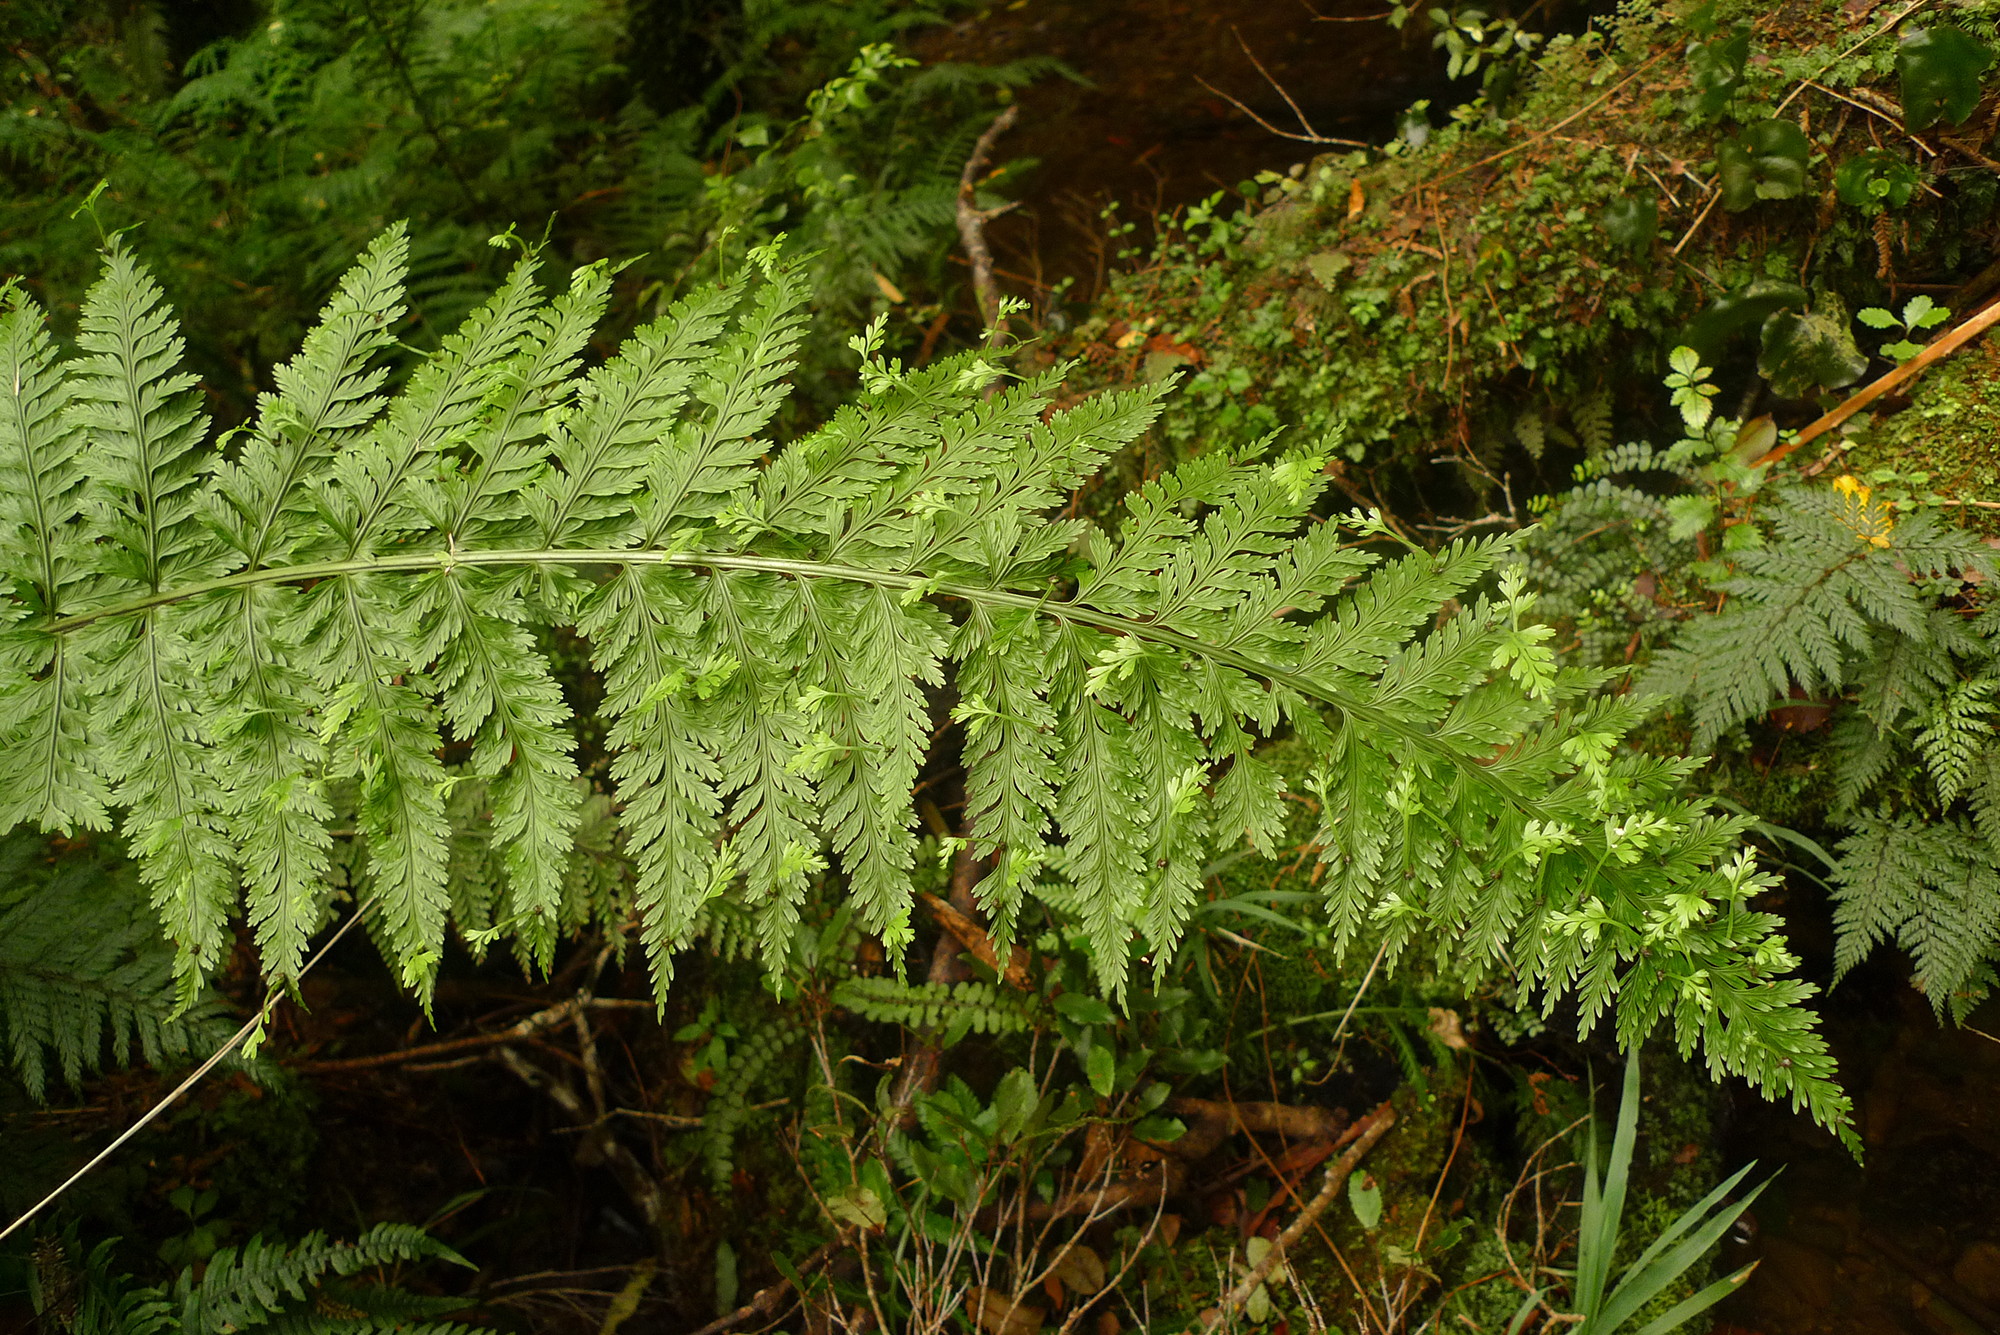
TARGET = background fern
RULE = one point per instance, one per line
(298, 1288)
(70, 996)
(1826, 594)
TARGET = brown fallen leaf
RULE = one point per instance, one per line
(997, 1314)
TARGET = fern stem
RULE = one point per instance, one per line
(1037, 604)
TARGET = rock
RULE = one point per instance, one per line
(1978, 1272)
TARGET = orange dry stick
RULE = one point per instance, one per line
(1944, 347)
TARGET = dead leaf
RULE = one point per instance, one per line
(889, 290)
(1081, 1269)
(1356, 201)
(1449, 1029)
(1107, 1323)
(997, 1314)
(1170, 1228)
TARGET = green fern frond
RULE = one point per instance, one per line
(285, 1287)
(1931, 886)
(45, 772)
(979, 1007)
(1800, 609)
(1958, 736)
(770, 621)
(752, 1057)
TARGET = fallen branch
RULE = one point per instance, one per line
(1336, 1176)
(1210, 1122)
(526, 1028)
(974, 938)
(1943, 347)
(920, 1067)
(1143, 1191)
(972, 222)
(599, 1146)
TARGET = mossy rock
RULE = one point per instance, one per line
(1487, 294)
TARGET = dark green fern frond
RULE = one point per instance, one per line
(1799, 609)
(68, 996)
(45, 771)
(301, 1289)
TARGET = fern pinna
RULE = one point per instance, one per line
(225, 641)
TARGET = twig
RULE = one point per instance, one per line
(599, 1145)
(972, 222)
(526, 1028)
(1536, 138)
(1385, 1117)
(1340, 1030)
(1695, 226)
(187, 1084)
(1942, 348)
(765, 1301)
(1311, 136)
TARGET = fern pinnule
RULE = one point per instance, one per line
(69, 997)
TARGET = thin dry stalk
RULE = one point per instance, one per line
(1385, 1117)
(972, 222)
(1311, 136)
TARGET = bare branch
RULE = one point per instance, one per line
(972, 222)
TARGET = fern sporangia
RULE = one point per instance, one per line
(222, 641)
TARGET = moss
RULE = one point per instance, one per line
(1464, 297)
(1947, 439)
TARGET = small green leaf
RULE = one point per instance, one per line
(1102, 1069)
(1767, 161)
(1082, 1008)
(1940, 68)
(1813, 350)
(1920, 312)
(1016, 1101)
(725, 1279)
(1715, 68)
(1159, 1130)
(1631, 221)
(861, 1207)
(1689, 515)
(1365, 1199)
(1876, 318)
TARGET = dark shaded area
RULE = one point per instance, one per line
(1145, 134)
